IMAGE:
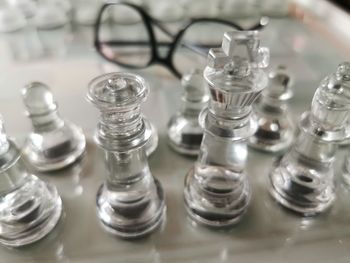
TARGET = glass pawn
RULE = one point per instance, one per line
(303, 180)
(184, 132)
(130, 203)
(54, 143)
(29, 207)
(217, 191)
(276, 129)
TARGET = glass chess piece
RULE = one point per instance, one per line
(346, 164)
(303, 179)
(276, 129)
(184, 132)
(29, 207)
(130, 203)
(54, 143)
(11, 18)
(86, 11)
(52, 14)
(346, 141)
(27, 7)
(165, 11)
(217, 191)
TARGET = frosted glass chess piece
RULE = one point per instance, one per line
(130, 203)
(276, 129)
(54, 143)
(303, 180)
(29, 207)
(217, 191)
(184, 132)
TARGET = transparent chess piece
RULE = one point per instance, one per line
(165, 11)
(217, 191)
(29, 207)
(184, 132)
(276, 129)
(86, 11)
(346, 165)
(52, 14)
(130, 203)
(54, 143)
(303, 179)
(346, 141)
(11, 18)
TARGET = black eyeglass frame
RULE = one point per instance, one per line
(149, 22)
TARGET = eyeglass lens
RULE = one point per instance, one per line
(124, 38)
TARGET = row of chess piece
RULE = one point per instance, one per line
(215, 123)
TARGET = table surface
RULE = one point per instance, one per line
(65, 60)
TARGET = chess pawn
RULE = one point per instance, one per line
(54, 143)
(276, 129)
(217, 191)
(29, 207)
(303, 179)
(130, 203)
(184, 132)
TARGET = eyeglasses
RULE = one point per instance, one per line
(129, 39)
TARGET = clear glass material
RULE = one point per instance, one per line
(184, 132)
(11, 18)
(54, 143)
(152, 143)
(346, 165)
(25, 44)
(217, 191)
(201, 8)
(86, 11)
(28, 7)
(192, 50)
(130, 203)
(303, 180)
(166, 11)
(240, 8)
(125, 40)
(29, 207)
(52, 14)
(276, 129)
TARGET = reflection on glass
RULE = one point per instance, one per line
(25, 44)
(29, 207)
